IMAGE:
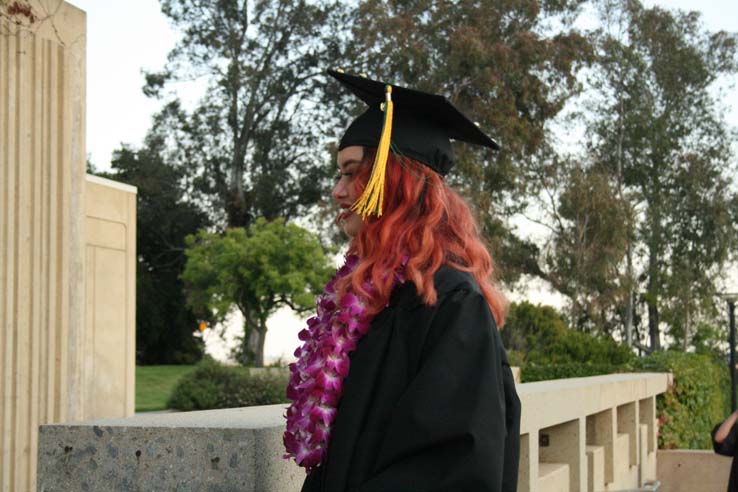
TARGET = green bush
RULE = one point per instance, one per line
(532, 372)
(538, 340)
(575, 347)
(213, 385)
(538, 335)
(698, 399)
(530, 328)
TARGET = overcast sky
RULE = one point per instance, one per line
(126, 37)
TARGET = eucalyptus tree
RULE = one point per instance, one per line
(503, 65)
(252, 143)
(657, 126)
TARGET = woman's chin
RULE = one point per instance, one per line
(351, 225)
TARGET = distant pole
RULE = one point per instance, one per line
(731, 313)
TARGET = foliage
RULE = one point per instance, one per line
(539, 336)
(164, 217)
(659, 130)
(271, 265)
(154, 385)
(532, 372)
(698, 399)
(212, 385)
(501, 65)
(529, 328)
(590, 239)
(252, 143)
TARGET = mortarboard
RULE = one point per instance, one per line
(410, 123)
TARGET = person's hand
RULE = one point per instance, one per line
(725, 427)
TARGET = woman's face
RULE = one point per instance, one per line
(349, 160)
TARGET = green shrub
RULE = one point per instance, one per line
(538, 335)
(213, 385)
(575, 347)
(698, 399)
(260, 389)
(529, 328)
(538, 340)
(532, 372)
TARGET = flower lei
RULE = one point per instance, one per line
(316, 379)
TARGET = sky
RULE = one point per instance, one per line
(126, 37)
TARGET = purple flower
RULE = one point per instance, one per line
(316, 379)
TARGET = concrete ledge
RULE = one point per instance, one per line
(553, 477)
(690, 470)
(241, 449)
(216, 450)
(547, 403)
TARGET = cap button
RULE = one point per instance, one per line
(340, 70)
(476, 123)
(363, 74)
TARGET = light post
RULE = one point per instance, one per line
(731, 298)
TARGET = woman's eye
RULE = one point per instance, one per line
(340, 175)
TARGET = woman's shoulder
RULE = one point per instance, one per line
(447, 280)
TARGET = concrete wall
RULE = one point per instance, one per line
(574, 432)
(42, 179)
(602, 429)
(67, 246)
(692, 470)
(109, 365)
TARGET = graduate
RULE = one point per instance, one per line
(402, 382)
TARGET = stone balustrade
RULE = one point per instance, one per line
(596, 433)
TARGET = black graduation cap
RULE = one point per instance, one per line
(411, 123)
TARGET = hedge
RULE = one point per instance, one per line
(532, 372)
(212, 385)
(698, 399)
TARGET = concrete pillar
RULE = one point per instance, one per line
(565, 443)
(42, 169)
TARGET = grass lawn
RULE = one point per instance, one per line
(154, 384)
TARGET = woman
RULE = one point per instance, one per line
(724, 442)
(402, 383)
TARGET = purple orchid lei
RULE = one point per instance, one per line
(316, 379)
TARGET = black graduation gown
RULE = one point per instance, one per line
(429, 404)
(727, 448)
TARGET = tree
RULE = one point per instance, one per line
(701, 217)
(164, 325)
(499, 64)
(270, 265)
(654, 116)
(252, 143)
(590, 225)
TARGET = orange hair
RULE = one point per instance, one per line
(425, 221)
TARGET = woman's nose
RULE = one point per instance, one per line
(339, 190)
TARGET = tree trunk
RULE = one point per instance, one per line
(253, 345)
(685, 342)
(652, 298)
(629, 305)
(653, 326)
(259, 348)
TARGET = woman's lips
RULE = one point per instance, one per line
(344, 215)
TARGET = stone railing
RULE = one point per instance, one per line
(596, 433)
(589, 434)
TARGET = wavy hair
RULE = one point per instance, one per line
(425, 221)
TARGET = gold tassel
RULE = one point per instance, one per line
(370, 201)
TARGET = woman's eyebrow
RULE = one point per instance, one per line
(345, 164)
